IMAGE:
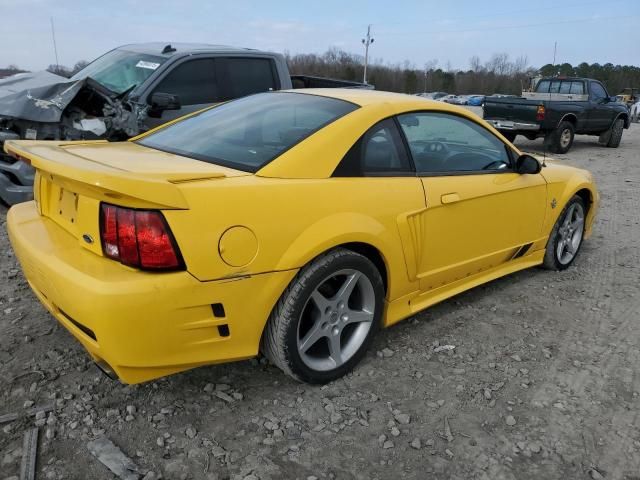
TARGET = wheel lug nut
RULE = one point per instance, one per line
(345, 317)
(341, 305)
(335, 331)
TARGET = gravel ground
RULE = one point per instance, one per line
(543, 382)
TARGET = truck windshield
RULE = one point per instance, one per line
(247, 134)
(119, 70)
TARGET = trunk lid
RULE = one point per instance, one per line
(74, 177)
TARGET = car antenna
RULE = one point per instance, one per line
(168, 49)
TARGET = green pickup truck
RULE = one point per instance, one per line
(558, 109)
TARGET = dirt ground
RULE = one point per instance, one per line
(543, 382)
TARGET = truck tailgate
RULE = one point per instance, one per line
(512, 109)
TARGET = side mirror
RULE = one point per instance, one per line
(613, 99)
(164, 101)
(526, 164)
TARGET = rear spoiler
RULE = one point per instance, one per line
(96, 179)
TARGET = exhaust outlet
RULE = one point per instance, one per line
(106, 369)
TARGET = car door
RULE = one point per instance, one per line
(193, 81)
(381, 180)
(602, 111)
(479, 212)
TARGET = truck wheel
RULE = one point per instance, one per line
(616, 134)
(566, 237)
(326, 318)
(562, 138)
(511, 136)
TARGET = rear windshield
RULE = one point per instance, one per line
(248, 133)
(575, 87)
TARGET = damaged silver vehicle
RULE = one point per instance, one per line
(128, 91)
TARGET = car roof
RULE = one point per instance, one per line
(156, 48)
(363, 97)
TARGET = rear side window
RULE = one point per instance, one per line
(577, 88)
(244, 76)
(194, 82)
(543, 86)
(248, 133)
(379, 152)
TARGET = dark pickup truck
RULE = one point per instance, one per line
(130, 90)
(558, 109)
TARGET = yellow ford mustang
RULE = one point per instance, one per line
(297, 224)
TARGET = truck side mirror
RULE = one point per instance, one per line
(164, 101)
(526, 164)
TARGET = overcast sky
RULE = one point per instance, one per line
(417, 31)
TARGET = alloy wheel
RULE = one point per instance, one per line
(570, 234)
(336, 320)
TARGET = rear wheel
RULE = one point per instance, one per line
(566, 237)
(561, 138)
(616, 134)
(327, 317)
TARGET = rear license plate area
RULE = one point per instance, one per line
(65, 209)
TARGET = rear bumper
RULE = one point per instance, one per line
(513, 126)
(143, 325)
(16, 182)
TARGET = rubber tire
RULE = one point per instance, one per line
(551, 261)
(511, 136)
(554, 140)
(616, 134)
(279, 340)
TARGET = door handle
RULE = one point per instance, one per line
(450, 198)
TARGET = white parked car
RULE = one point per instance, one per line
(635, 112)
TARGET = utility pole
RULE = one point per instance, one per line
(366, 42)
(426, 73)
(555, 49)
(55, 48)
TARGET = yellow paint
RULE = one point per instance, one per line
(244, 237)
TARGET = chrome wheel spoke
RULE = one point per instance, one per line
(345, 291)
(356, 316)
(312, 337)
(335, 352)
(321, 301)
(567, 218)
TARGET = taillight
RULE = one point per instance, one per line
(138, 238)
(540, 113)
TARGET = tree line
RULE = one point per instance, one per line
(498, 74)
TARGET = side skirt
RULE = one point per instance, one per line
(413, 303)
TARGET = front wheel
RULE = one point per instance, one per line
(326, 318)
(566, 237)
(616, 134)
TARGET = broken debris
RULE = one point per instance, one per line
(29, 454)
(444, 348)
(112, 457)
